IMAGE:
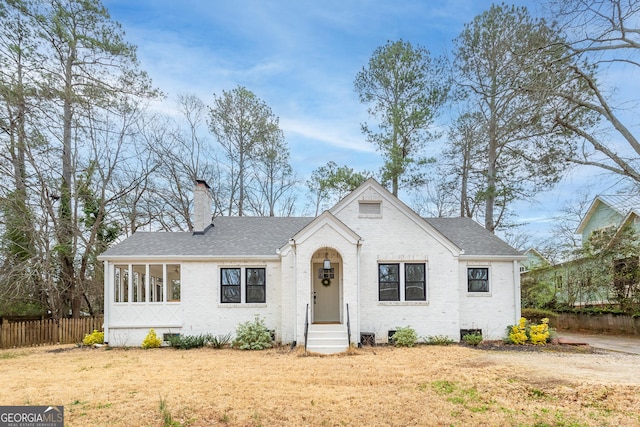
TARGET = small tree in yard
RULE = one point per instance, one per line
(252, 335)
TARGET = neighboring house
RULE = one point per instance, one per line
(361, 269)
(610, 211)
(570, 282)
(535, 260)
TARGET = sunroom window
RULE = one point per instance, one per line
(140, 283)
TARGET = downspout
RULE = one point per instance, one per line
(107, 301)
(292, 242)
(358, 252)
(516, 291)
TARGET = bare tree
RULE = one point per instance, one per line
(499, 58)
(86, 75)
(243, 124)
(604, 36)
(273, 179)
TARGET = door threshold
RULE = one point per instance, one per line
(326, 323)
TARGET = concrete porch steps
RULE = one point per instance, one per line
(327, 338)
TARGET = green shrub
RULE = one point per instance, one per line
(220, 341)
(472, 339)
(252, 335)
(404, 337)
(535, 315)
(186, 342)
(96, 337)
(438, 340)
(151, 340)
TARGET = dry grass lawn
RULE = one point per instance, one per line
(426, 385)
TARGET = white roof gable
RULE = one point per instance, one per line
(371, 190)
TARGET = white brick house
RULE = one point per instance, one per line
(386, 267)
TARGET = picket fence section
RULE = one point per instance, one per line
(47, 331)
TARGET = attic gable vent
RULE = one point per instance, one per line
(370, 208)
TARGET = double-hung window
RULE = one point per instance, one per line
(236, 287)
(415, 284)
(255, 285)
(478, 280)
(230, 285)
(389, 282)
(402, 282)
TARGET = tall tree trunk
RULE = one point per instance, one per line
(65, 220)
(492, 155)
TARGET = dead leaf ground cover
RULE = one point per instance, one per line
(425, 385)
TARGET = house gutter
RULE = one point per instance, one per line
(514, 258)
(358, 253)
(516, 291)
(123, 258)
(294, 248)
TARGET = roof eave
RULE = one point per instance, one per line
(117, 258)
(493, 257)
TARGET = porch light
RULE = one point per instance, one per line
(326, 264)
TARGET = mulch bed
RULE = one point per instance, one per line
(549, 348)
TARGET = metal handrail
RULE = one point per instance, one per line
(306, 327)
(348, 328)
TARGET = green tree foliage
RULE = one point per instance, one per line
(500, 59)
(70, 81)
(244, 125)
(404, 88)
(612, 259)
(329, 183)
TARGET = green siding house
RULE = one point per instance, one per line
(572, 282)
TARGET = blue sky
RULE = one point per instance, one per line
(301, 58)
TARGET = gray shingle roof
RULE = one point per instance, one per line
(229, 236)
(473, 238)
(262, 236)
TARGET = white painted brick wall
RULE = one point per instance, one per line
(491, 313)
(394, 237)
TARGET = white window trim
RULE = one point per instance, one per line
(146, 285)
(489, 278)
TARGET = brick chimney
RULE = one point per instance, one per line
(202, 202)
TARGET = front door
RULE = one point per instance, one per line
(326, 296)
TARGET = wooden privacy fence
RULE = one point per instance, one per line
(48, 331)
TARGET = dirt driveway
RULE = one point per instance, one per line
(601, 366)
(620, 343)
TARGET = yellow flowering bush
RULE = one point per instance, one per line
(539, 333)
(96, 337)
(518, 333)
(151, 340)
(525, 332)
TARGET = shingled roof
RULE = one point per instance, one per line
(471, 237)
(229, 236)
(262, 236)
